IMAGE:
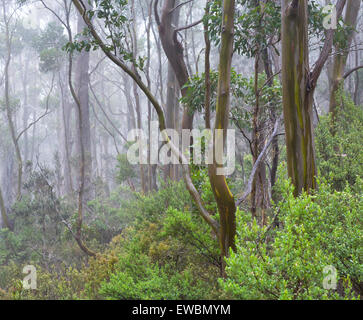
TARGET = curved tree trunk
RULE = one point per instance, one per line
(174, 52)
(222, 194)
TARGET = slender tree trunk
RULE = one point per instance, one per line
(4, 216)
(66, 147)
(171, 99)
(131, 119)
(149, 109)
(9, 112)
(136, 93)
(25, 111)
(273, 118)
(341, 54)
(260, 199)
(84, 135)
(78, 234)
(222, 194)
(357, 80)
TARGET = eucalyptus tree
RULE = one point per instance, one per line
(299, 83)
(83, 141)
(9, 25)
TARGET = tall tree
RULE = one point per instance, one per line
(83, 114)
(298, 89)
(9, 112)
(171, 107)
(221, 191)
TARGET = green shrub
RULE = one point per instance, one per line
(339, 144)
(288, 262)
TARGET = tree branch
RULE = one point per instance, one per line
(157, 17)
(348, 73)
(325, 51)
(179, 5)
(42, 116)
(257, 163)
(189, 26)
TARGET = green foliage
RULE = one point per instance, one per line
(195, 97)
(165, 254)
(115, 16)
(49, 47)
(166, 260)
(34, 216)
(253, 22)
(200, 178)
(288, 262)
(139, 278)
(125, 170)
(339, 144)
(39, 236)
(258, 24)
(243, 94)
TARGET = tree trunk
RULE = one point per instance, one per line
(84, 135)
(136, 93)
(4, 217)
(222, 194)
(297, 97)
(8, 105)
(341, 54)
(260, 199)
(66, 141)
(174, 52)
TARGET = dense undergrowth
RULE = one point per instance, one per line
(156, 246)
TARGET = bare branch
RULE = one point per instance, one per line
(189, 26)
(348, 73)
(257, 163)
(157, 17)
(42, 116)
(179, 5)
